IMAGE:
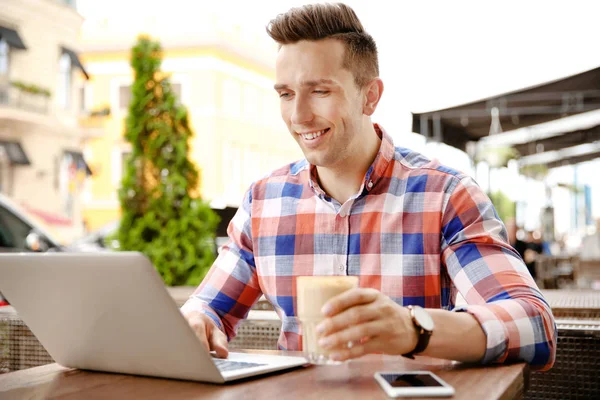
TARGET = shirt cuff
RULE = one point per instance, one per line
(494, 329)
(195, 304)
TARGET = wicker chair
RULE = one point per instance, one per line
(260, 334)
(20, 348)
(574, 304)
(575, 371)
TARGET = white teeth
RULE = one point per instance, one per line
(312, 135)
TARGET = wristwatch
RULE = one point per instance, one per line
(424, 326)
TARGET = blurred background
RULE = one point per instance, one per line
(508, 92)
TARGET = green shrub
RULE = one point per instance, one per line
(163, 215)
(505, 207)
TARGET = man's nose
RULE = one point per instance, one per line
(302, 112)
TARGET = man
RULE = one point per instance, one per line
(528, 249)
(533, 249)
(414, 231)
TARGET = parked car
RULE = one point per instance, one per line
(20, 233)
(96, 240)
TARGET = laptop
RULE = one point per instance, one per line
(111, 312)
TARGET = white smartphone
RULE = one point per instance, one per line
(413, 384)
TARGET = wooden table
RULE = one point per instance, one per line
(352, 380)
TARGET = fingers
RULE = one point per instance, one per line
(354, 334)
(350, 298)
(349, 317)
(211, 337)
(357, 350)
(199, 327)
(218, 342)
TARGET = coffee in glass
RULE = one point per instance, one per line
(312, 294)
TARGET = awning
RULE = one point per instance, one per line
(11, 37)
(75, 60)
(15, 153)
(557, 142)
(574, 159)
(79, 161)
(566, 156)
(458, 125)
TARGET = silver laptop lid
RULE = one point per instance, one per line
(106, 312)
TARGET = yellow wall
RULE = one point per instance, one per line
(96, 219)
(232, 145)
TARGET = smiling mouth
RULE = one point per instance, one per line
(313, 135)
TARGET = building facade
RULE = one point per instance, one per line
(41, 162)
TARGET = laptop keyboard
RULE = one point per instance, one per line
(227, 365)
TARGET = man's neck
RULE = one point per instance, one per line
(344, 180)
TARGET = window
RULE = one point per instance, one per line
(82, 106)
(124, 96)
(4, 50)
(64, 81)
(14, 152)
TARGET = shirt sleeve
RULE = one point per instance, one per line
(231, 287)
(499, 290)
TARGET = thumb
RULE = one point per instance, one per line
(218, 342)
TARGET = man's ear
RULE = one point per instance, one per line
(373, 91)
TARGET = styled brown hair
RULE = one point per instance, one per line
(330, 21)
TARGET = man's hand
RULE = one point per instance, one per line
(208, 333)
(362, 321)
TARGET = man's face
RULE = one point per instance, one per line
(320, 103)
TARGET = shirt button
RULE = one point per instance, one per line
(370, 184)
(342, 268)
(342, 213)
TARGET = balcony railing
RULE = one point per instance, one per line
(18, 97)
(93, 122)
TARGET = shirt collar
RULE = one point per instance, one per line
(375, 171)
(385, 154)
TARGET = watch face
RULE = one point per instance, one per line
(423, 318)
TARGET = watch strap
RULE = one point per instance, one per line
(423, 339)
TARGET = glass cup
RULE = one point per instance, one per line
(312, 292)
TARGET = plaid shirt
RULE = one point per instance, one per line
(416, 231)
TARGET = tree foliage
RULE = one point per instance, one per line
(163, 215)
